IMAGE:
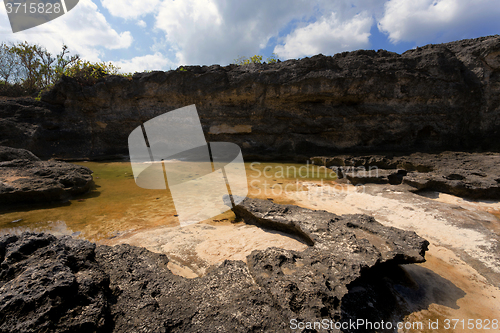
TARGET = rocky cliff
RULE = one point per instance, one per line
(436, 97)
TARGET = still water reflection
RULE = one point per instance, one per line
(117, 205)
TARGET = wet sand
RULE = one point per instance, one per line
(193, 249)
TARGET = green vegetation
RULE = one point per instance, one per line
(256, 59)
(272, 59)
(27, 69)
(88, 73)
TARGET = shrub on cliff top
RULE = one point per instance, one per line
(256, 59)
(26, 68)
(29, 68)
(87, 73)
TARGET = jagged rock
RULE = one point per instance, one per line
(150, 298)
(9, 154)
(50, 284)
(473, 175)
(435, 97)
(29, 180)
(311, 284)
(378, 176)
(62, 284)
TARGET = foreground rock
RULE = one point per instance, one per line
(472, 175)
(435, 97)
(62, 284)
(26, 179)
(311, 284)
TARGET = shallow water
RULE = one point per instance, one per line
(117, 205)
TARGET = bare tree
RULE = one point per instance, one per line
(10, 66)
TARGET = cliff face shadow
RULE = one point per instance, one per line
(391, 292)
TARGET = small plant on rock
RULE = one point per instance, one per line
(256, 59)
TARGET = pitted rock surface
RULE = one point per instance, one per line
(25, 179)
(65, 284)
(310, 284)
(472, 175)
(431, 98)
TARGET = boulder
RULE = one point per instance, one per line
(24, 178)
(50, 284)
(9, 154)
(311, 284)
(472, 175)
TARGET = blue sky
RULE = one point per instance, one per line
(139, 35)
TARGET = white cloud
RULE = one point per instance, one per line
(328, 35)
(84, 29)
(217, 31)
(130, 8)
(426, 21)
(155, 61)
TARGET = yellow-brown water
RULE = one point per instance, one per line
(117, 205)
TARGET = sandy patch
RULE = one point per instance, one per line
(490, 206)
(443, 224)
(193, 249)
(460, 278)
(11, 179)
(469, 296)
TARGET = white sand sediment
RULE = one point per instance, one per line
(443, 224)
(192, 249)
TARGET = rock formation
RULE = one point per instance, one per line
(26, 179)
(9, 154)
(435, 97)
(311, 284)
(472, 175)
(64, 284)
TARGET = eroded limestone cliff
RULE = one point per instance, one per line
(436, 97)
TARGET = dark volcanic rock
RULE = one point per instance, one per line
(31, 180)
(9, 154)
(473, 175)
(150, 298)
(50, 284)
(437, 97)
(79, 287)
(309, 285)
(467, 175)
